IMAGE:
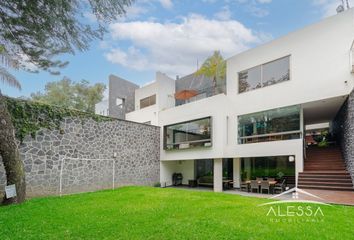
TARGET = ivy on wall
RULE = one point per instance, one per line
(28, 117)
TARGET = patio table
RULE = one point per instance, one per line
(271, 183)
(259, 182)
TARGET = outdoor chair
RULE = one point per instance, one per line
(254, 185)
(280, 186)
(271, 179)
(259, 179)
(265, 186)
(244, 186)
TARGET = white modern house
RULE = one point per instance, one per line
(152, 99)
(274, 95)
(102, 108)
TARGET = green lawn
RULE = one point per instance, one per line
(154, 213)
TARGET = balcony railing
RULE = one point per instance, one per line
(204, 93)
(270, 137)
(189, 144)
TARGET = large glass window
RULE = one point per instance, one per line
(272, 125)
(204, 167)
(278, 167)
(196, 133)
(264, 75)
(148, 101)
(250, 79)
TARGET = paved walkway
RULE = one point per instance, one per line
(333, 197)
(336, 197)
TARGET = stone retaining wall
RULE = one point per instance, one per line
(344, 129)
(88, 150)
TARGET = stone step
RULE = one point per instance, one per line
(325, 179)
(333, 188)
(326, 172)
(321, 183)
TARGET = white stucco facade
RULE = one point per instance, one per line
(320, 80)
(164, 88)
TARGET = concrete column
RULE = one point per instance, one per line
(237, 172)
(218, 175)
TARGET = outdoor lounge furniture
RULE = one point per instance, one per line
(270, 179)
(244, 186)
(259, 179)
(254, 185)
(227, 183)
(206, 181)
(279, 186)
(265, 186)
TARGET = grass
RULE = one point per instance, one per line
(155, 213)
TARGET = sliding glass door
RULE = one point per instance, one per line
(275, 167)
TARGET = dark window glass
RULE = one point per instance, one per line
(196, 133)
(263, 167)
(204, 167)
(270, 123)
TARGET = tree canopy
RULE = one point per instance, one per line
(33, 32)
(69, 94)
(214, 67)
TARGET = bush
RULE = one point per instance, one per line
(157, 184)
(323, 143)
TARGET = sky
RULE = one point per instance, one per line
(173, 36)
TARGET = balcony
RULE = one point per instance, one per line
(190, 134)
(203, 93)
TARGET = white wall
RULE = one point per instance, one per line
(217, 107)
(144, 92)
(101, 108)
(164, 88)
(319, 66)
(148, 114)
(185, 167)
(165, 91)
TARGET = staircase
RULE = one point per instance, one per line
(324, 168)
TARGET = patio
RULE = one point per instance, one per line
(331, 197)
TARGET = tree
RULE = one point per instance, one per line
(69, 94)
(213, 67)
(15, 173)
(32, 33)
(35, 31)
(5, 76)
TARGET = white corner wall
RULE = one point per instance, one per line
(319, 66)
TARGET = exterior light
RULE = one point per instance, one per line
(291, 159)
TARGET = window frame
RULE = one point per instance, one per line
(261, 80)
(240, 138)
(184, 122)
